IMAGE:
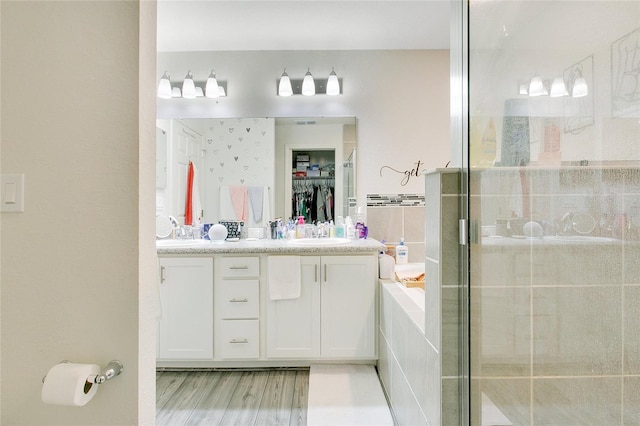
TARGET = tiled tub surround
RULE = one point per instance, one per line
(418, 348)
(394, 216)
(554, 330)
(402, 347)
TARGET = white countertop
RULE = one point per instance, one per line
(274, 247)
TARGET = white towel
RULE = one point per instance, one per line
(256, 198)
(226, 207)
(266, 208)
(284, 277)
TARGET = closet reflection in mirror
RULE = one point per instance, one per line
(255, 159)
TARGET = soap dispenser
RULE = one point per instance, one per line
(402, 253)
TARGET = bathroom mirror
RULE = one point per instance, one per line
(260, 152)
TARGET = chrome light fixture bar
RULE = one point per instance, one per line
(190, 88)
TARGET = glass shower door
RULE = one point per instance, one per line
(554, 210)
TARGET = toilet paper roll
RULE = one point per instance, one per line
(66, 384)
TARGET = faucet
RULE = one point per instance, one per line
(567, 223)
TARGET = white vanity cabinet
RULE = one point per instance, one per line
(335, 315)
(237, 307)
(185, 330)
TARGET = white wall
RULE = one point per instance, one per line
(400, 99)
(71, 123)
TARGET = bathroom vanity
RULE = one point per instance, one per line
(217, 309)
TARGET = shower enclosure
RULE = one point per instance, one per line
(550, 302)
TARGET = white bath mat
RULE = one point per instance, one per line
(346, 395)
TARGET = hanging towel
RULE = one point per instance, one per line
(188, 213)
(284, 277)
(256, 198)
(266, 207)
(226, 208)
(239, 201)
(196, 204)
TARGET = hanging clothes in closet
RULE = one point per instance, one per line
(313, 199)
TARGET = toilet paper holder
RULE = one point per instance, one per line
(113, 369)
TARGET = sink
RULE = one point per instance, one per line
(582, 239)
(181, 243)
(314, 242)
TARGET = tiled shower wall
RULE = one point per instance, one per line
(554, 331)
(394, 216)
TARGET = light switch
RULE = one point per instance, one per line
(12, 193)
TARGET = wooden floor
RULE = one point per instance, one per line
(244, 398)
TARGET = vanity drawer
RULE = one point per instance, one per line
(239, 267)
(236, 299)
(239, 339)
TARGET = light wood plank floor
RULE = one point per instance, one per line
(244, 398)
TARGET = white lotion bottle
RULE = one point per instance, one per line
(402, 253)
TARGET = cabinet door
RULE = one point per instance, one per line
(186, 295)
(348, 306)
(293, 325)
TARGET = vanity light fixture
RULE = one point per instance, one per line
(580, 88)
(558, 88)
(191, 89)
(188, 86)
(308, 85)
(284, 86)
(333, 85)
(164, 86)
(211, 89)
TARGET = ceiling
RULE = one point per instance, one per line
(212, 25)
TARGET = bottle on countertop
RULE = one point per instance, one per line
(350, 229)
(386, 266)
(300, 227)
(340, 231)
(361, 227)
(402, 253)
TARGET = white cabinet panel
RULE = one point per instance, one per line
(335, 314)
(238, 339)
(237, 299)
(239, 267)
(348, 306)
(185, 330)
(293, 325)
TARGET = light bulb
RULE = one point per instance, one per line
(188, 87)
(284, 87)
(211, 89)
(580, 88)
(558, 88)
(164, 86)
(308, 85)
(333, 85)
(536, 87)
